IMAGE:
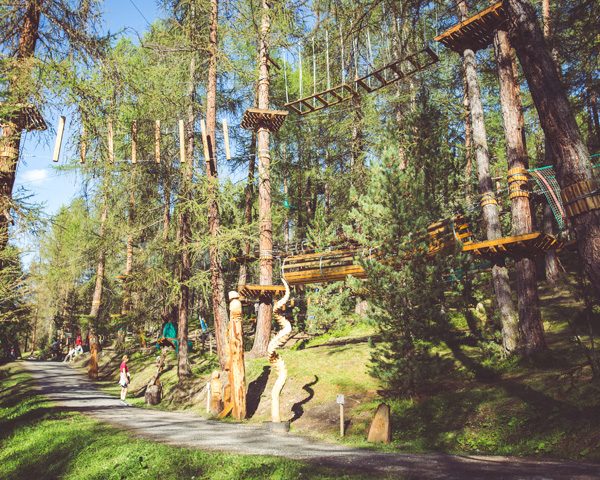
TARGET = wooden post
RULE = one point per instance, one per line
(134, 142)
(226, 140)
(237, 372)
(340, 401)
(157, 141)
(111, 146)
(204, 141)
(182, 158)
(60, 130)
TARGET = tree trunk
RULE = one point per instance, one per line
(97, 297)
(265, 309)
(216, 269)
(572, 161)
(491, 219)
(551, 259)
(468, 141)
(167, 204)
(17, 93)
(248, 200)
(126, 307)
(531, 328)
(184, 235)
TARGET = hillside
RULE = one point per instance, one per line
(544, 408)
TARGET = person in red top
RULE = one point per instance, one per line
(124, 377)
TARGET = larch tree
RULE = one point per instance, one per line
(530, 322)
(65, 28)
(263, 321)
(572, 161)
(216, 268)
(489, 204)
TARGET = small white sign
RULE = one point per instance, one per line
(340, 400)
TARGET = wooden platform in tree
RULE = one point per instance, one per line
(28, 116)
(260, 292)
(321, 100)
(323, 267)
(255, 118)
(397, 70)
(475, 33)
(528, 244)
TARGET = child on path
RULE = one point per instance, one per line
(124, 378)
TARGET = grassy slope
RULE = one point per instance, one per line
(38, 441)
(548, 409)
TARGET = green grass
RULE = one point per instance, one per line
(42, 441)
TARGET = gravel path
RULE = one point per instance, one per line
(72, 390)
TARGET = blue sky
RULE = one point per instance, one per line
(36, 175)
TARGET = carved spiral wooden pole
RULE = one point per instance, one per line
(274, 358)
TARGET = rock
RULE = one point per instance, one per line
(153, 394)
(381, 428)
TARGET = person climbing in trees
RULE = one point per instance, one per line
(124, 378)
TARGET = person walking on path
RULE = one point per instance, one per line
(124, 378)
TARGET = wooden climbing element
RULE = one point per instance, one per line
(322, 267)
(277, 363)
(581, 197)
(260, 292)
(256, 118)
(443, 236)
(235, 358)
(528, 244)
(373, 81)
(397, 70)
(475, 33)
(319, 101)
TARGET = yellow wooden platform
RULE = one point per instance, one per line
(255, 118)
(528, 244)
(475, 33)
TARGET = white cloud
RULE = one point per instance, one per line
(35, 176)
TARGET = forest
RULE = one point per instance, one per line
(419, 176)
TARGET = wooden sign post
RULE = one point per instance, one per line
(340, 400)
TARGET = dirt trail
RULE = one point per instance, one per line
(72, 390)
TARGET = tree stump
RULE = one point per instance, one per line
(153, 394)
(381, 429)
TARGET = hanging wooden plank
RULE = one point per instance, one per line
(204, 141)
(82, 145)
(226, 140)
(134, 142)
(157, 141)
(111, 145)
(60, 130)
(182, 157)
